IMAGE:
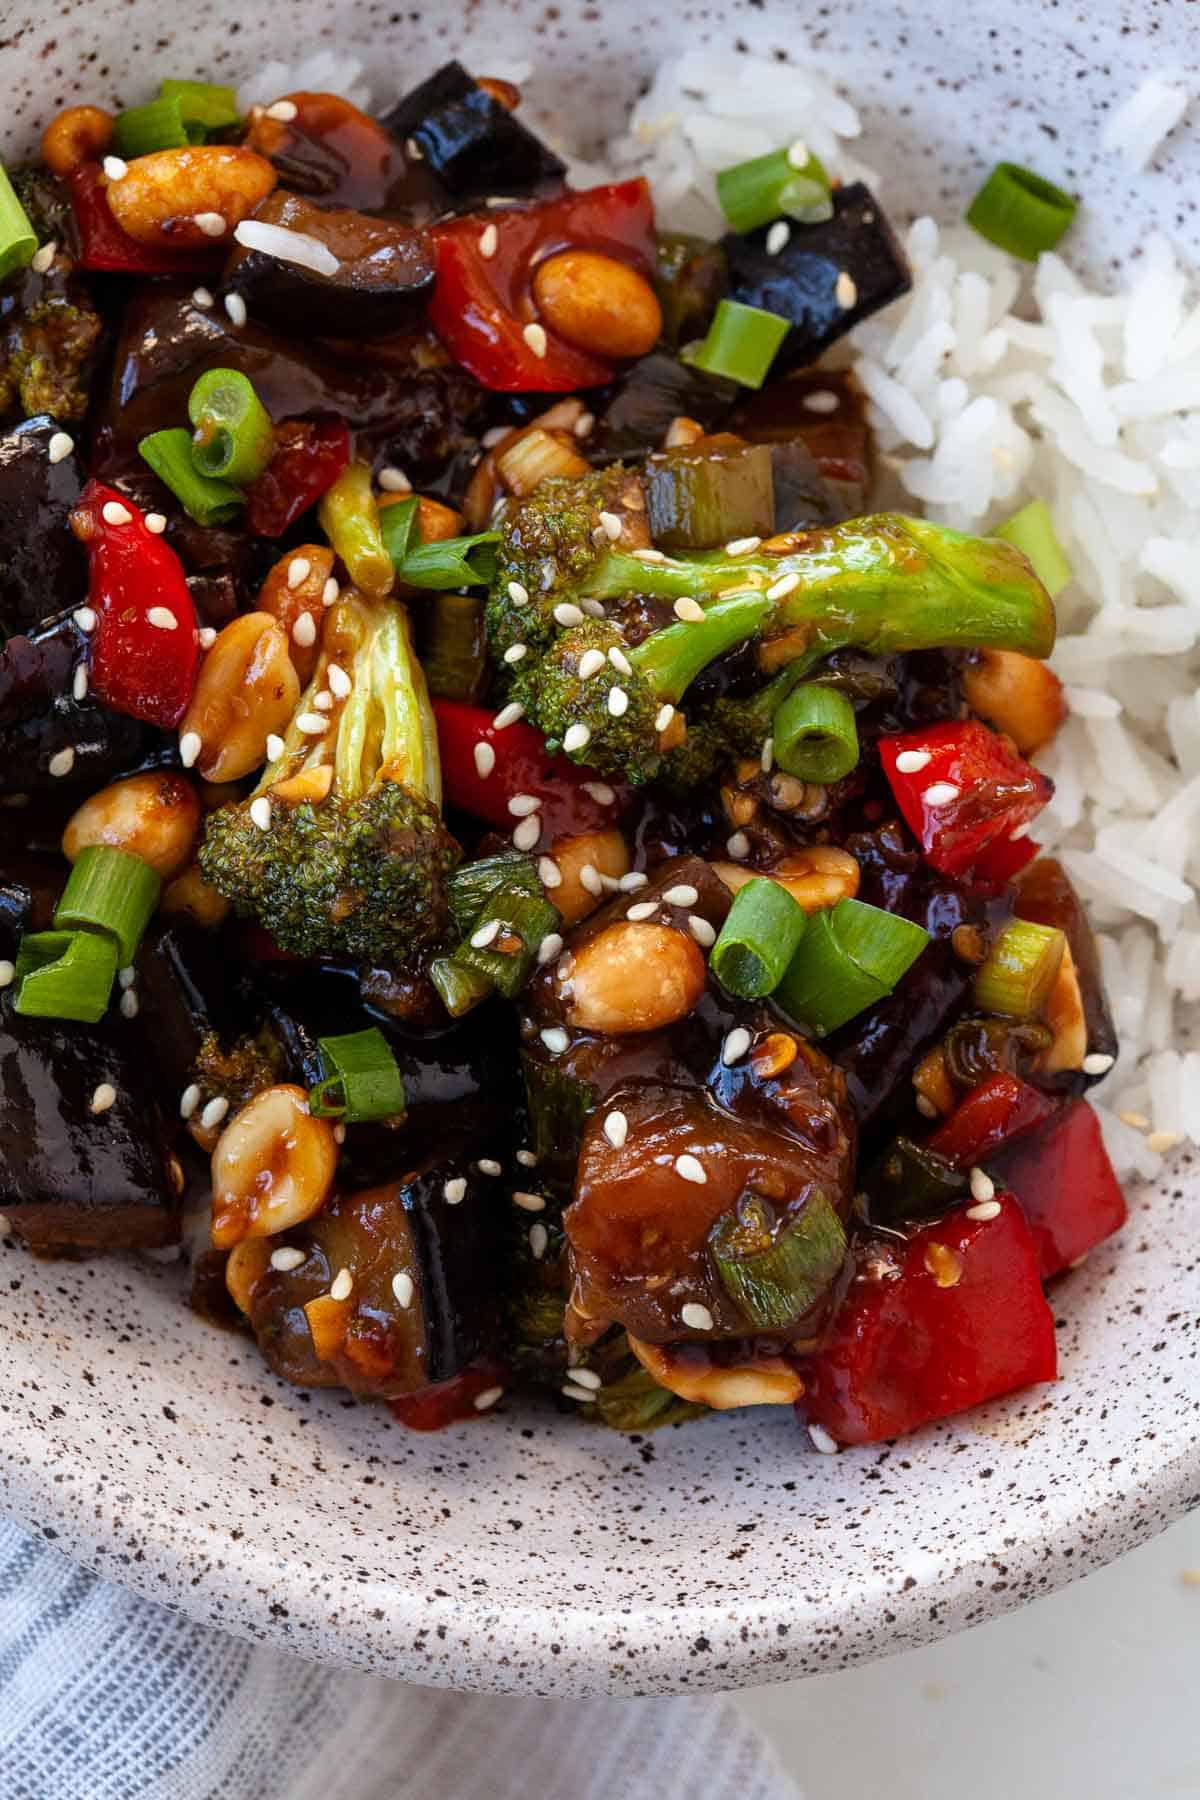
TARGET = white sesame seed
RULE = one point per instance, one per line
(62, 762)
(60, 446)
(555, 1039)
(8, 972)
(339, 1133)
(235, 307)
(343, 1285)
(600, 792)
(85, 618)
(664, 716)
(689, 1169)
(821, 1440)
(527, 1159)
(549, 873)
(645, 909)
(779, 590)
(283, 110)
(567, 615)
(1098, 1062)
(339, 682)
(777, 237)
(162, 618)
(576, 737)
(696, 1317)
(214, 1112)
(845, 291)
(487, 1166)
(527, 833)
(738, 846)
(516, 652)
(260, 812)
(611, 525)
(690, 611)
(206, 637)
(488, 1398)
(103, 1097)
(508, 715)
(586, 1378)
(590, 663)
(584, 426)
(129, 1004)
(821, 401)
(115, 168)
(455, 1190)
(518, 593)
(616, 1128)
(413, 150)
(982, 1185)
(488, 240)
(113, 513)
(925, 1107)
(212, 224)
(589, 878)
(684, 894)
(1162, 1141)
(202, 298)
(126, 976)
(629, 884)
(495, 436)
(330, 592)
(593, 608)
(735, 1046)
(940, 793)
(798, 154)
(42, 260)
(156, 523)
(911, 762)
(618, 702)
(485, 760)
(619, 660)
(522, 805)
(649, 556)
(298, 570)
(311, 724)
(535, 337)
(742, 546)
(487, 934)
(79, 682)
(702, 931)
(287, 1258)
(393, 480)
(274, 746)
(1138, 1120)
(571, 1392)
(529, 1202)
(985, 1209)
(402, 1287)
(189, 1100)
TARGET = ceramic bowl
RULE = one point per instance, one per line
(528, 1552)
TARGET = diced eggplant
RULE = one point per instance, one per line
(824, 410)
(690, 278)
(826, 278)
(340, 156)
(803, 498)
(186, 994)
(475, 146)
(704, 494)
(384, 274)
(647, 397)
(41, 721)
(43, 567)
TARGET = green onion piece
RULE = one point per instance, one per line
(636, 1402)
(1019, 969)
(474, 884)
(755, 192)
(209, 502)
(456, 562)
(741, 344)
(204, 104)
(65, 975)
(350, 520)
(776, 1275)
(233, 439)
(1021, 212)
(458, 989)
(399, 525)
(111, 891)
(850, 958)
(815, 736)
(18, 239)
(139, 130)
(558, 1104)
(1032, 531)
(454, 646)
(522, 920)
(758, 940)
(362, 1080)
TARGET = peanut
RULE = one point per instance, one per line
(597, 303)
(681, 432)
(78, 135)
(633, 977)
(190, 896)
(272, 1168)
(604, 851)
(816, 878)
(247, 1263)
(247, 689)
(161, 196)
(767, 1382)
(155, 816)
(286, 604)
(1018, 695)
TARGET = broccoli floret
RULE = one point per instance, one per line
(254, 1062)
(341, 850)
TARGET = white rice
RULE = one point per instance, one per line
(1138, 126)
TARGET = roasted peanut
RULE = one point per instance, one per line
(78, 135)
(190, 896)
(816, 878)
(328, 1323)
(155, 816)
(192, 197)
(931, 1080)
(681, 432)
(308, 788)
(246, 1263)
(768, 1382)
(604, 852)
(295, 589)
(1017, 694)
(436, 522)
(272, 1168)
(247, 689)
(1064, 1014)
(632, 977)
(597, 303)
(480, 496)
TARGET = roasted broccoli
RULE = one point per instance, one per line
(603, 686)
(341, 850)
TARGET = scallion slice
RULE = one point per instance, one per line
(775, 1275)
(1020, 212)
(772, 186)
(111, 891)
(140, 130)
(758, 940)
(18, 239)
(815, 736)
(209, 502)
(233, 437)
(742, 343)
(1019, 969)
(506, 958)
(362, 1079)
(399, 525)
(850, 958)
(1032, 531)
(474, 884)
(456, 562)
(203, 103)
(65, 975)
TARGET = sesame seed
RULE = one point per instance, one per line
(162, 618)
(115, 168)
(586, 1378)
(576, 737)
(488, 240)
(508, 715)
(589, 878)
(454, 1190)
(1098, 1062)
(496, 435)
(487, 1166)
(274, 746)
(549, 873)
(339, 1133)
(62, 762)
(539, 1241)
(1137, 1120)
(779, 590)
(527, 1159)
(487, 934)
(518, 593)
(798, 154)
(529, 1202)
(619, 660)
(43, 259)
(214, 1112)
(393, 480)
(202, 298)
(287, 1258)
(413, 150)
(485, 760)
(682, 895)
(911, 762)
(940, 793)
(629, 884)
(821, 401)
(618, 702)
(583, 427)
(311, 724)
(79, 683)
(283, 110)
(571, 1392)
(567, 615)
(664, 716)
(488, 1398)
(189, 1100)
(738, 846)
(299, 569)
(113, 513)
(590, 663)
(611, 525)
(8, 973)
(600, 792)
(555, 1040)
(212, 224)
(516, 652)
(845, 292)
(925, 1107)
(742, 546)
(330, 592)
(339, 682)
(982, 1185)
(689, 1169)
(521, 805)
(127, 976)
(260, 812)
(129, 1004)
(690, 611)
(343, 1285)
(594, 609)
(645, 909)
(696, 1317)
(60, 446)
(527, 833)
(103, 1097)
(616, 1129)
(777, 237)
(85, 618)
(535, 337)
(702, 931)
(985, 1209)
(1162, 1141)
(821, 1440)
(235, 307)
(155, 523)
(402, 1287)
(649, 556)
(206, 637)
(735, 1046)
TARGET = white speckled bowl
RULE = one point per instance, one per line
(527, 1552)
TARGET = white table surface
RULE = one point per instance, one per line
(1091, 1694)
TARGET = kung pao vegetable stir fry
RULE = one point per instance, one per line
(497, 827)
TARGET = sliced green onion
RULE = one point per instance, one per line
(458, 989)
(1021, 212)
(140, 130)
(558, 1104)
(1032, 531)
(474, 884)
(815, 736)
(111, 891)
(777, 1275)
(350, 520)
(742, 343)
(233, 439)
(203, 104)
(1019, 969)
(456, 562)
(758, 940)
(399, 526)
(850, 958)
(65, 975)
(912, 1182)
(362, 1080)
(18, 239)
(520, 922)
(209, 502)
(755, 192)
(634, 1401)
(454, 646)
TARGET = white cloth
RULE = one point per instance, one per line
(105, 1696)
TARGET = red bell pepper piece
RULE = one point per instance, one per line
(1000, 1108)
(1066, 1186)
(994, 791)
(309, 456)
(481, 305)
(141, 663)
(1002, 860)
(443, 1402)
(103, 245)
(957, 1318)
(573, 799)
